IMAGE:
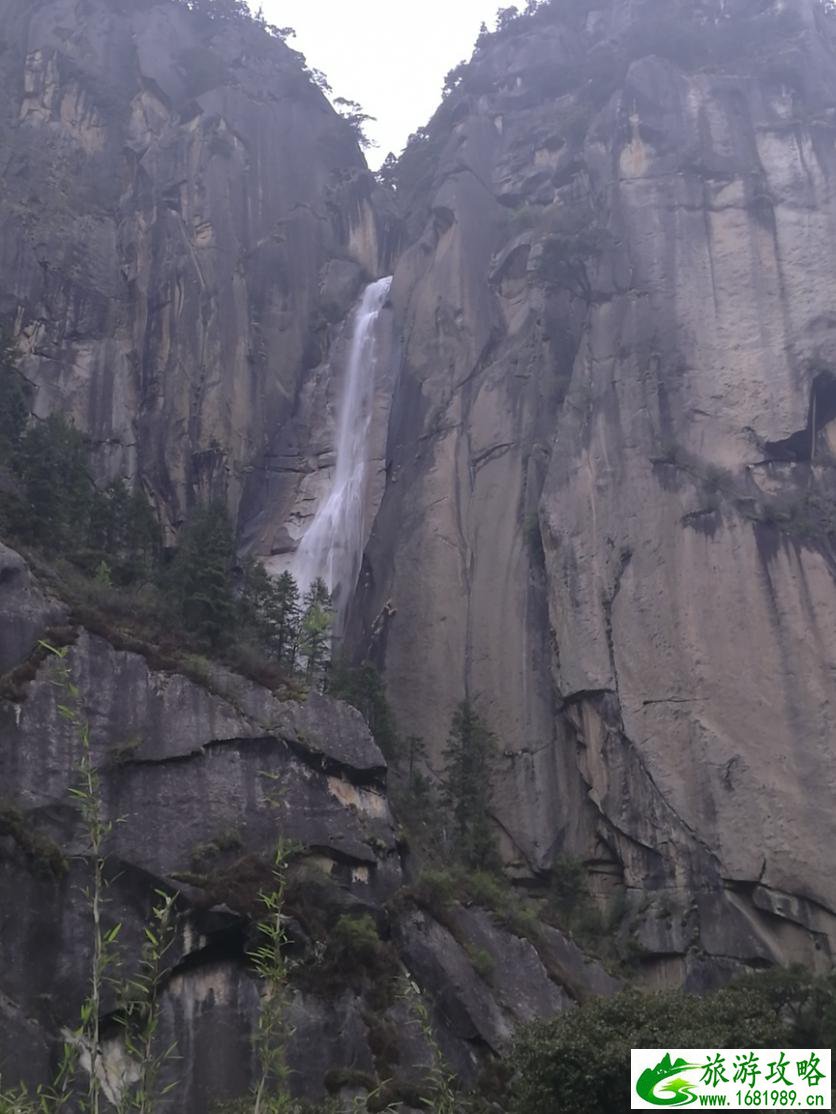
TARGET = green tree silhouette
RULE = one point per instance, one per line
(200, 580)
(467, 787)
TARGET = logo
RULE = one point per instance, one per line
(733, 1078)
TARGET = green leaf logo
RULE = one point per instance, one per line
(656, 1085)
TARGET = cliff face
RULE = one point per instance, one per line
(602, 449)
(612, 520)
(174, 190)
(199, 777)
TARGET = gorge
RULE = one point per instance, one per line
(548, 404)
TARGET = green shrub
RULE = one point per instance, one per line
(483, 961)
(356, 940)
(580, 1060)
(487, 889)
(436, 890)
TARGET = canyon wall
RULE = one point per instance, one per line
(184, 218)
(603, 476)
(610, 515)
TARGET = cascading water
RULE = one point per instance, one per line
(332, 547)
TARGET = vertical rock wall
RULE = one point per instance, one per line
(611, 519)
(173, 189)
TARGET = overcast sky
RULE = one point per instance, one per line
(390, 55)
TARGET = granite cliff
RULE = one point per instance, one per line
(610, 509)
(602, 503)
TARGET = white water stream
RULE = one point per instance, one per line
(332, 546)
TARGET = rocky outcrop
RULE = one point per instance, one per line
(610, 521)
(184, 218)
(199, 782)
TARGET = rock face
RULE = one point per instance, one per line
(604, 487)
(611, 516)
(177, 194)
(199, 782)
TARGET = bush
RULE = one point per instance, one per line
(356, 940)
(483, 962)
(436, 890)
(580, 1060)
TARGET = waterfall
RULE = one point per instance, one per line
(332, 546)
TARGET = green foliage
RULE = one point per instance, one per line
(87, 796)
(444, 1097)
(315, 632)
(356, 940)
(14, 407)
(124, 535)
(139, 1010)
(568, 884)
(200, 578)
(483, 961)
(56, 490)
(50, 500)
(272, 1093)
(579, 1061)
(362, 687)
(467, 787)
(138, 997)
(437, 890)
(270, 608)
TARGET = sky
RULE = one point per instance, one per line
(390, 55)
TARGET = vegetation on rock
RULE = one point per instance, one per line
(580, 1060)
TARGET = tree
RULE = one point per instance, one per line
(388, 173)
(270, 606)
(315, 636)
(233, 11)
(356, 118)
(124, 533)
(287, 618)
(14, 408)
(51, 461)
(319, 79)
(200, 579)
(362, 687)
(454, 78)
(580, 1061)
(505, 17)
(467, 787)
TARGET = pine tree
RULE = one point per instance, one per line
(288, 616)
(124, 533)
(315, 635)
(201, 575)
(362, 687)
(51, 462)
(270, 607)
(14, 409)
(467, 787)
